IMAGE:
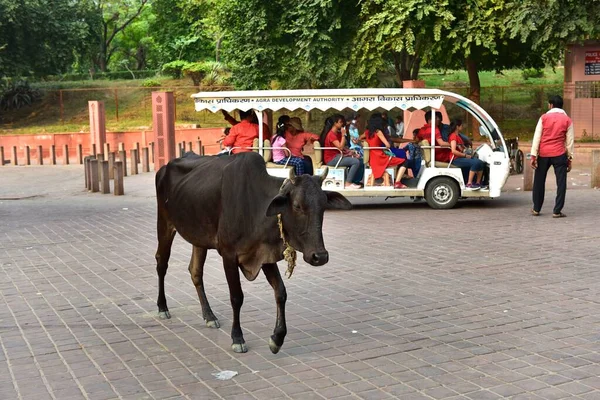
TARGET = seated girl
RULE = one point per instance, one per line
(296, 138)
(465, 161)
(282, 156)
(380, 159)
(354, 134)
(334, 136)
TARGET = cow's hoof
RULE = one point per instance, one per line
(213, 324)
(239, 347)
(164, 314)
(273, 346)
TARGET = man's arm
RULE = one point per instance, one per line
(570, 142)
(537, 137)
(230, 139)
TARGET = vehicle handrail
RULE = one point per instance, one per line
(268, 148)
(334, 148)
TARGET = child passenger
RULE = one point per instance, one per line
(283, 156)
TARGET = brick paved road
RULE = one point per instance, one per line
(480, 302)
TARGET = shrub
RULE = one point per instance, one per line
(532, 73)
(151, 83)
(174, 68)
(15, 95)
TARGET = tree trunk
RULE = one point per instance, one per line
(218, 49)
(406, 66)
(474, 82)
(140, 57)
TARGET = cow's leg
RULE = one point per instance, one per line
(196, 271)
(166, 233)
(237, 299)
(274, 277)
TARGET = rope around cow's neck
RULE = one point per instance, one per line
(289, 253)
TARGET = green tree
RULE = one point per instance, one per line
(40, 37)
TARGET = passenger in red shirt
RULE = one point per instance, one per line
(296, 138)
(444, 154)
(266, 129)
(334, 136)
(552, 146)
(242, 135)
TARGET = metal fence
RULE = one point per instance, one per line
(516, 109)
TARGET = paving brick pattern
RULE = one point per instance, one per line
(479, 302)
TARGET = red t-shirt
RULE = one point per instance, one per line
(241, 136)
(331, 137)
(443, 155)
(296, 142)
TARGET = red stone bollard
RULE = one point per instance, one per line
(145, 160)
(95, 176)
(65, 154)
(27, 156)
(527, 173)
(80, 154)
(53, 154)
(40, 155)
(105, 182)
(1, 156)
(14, 160)
(106, 148)
(94, 150)
(137, 148)
(123, 157)
(121, 146)
(152, 152)
(119, 178)
(199, 148)
(134, 165)
(595, 169)
(111, 164)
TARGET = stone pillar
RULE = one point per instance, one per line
(53, 154)
(106, 148)
(137, 148)
(145, 160)
(97, 124)
(163, 121)
(527, 173)
(65, 154)
(94, 176)
(111, 163)
(95, 149)
(80, 153)
(87, 169)
(1, 156)
(413, 84)
(14, 160)
(27, 156)
(123, 157)
(121, 146)
(118, 173)
(134, 164)
(200, 149)
(40, 155)
(152, 152)
(105, 187)
(595, 169)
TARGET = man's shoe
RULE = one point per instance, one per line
(559, 215)
(535, 213)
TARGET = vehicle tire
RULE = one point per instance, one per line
(442, 193)
(519, 162)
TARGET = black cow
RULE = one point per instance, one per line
(231, 204)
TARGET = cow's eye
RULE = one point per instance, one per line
(297, 207)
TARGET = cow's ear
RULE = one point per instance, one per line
(336, 201)
(277, 205)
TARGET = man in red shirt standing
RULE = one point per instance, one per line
(553, 144)
(242, 135)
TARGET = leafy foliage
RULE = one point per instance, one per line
(174, 68)
(16, 95)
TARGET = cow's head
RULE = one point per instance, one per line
(301, 203)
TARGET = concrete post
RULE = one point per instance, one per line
(14, 160)
(100, 157)
(1, 156)
(152, 152)
(199, 147)
(66, 154)
(595, 169)
(80, 153)
(53, 154)
(137, 148)
(27, 156)
(123, 157)
(181, 149)
(134, 165)
(118, 173)
(86, 173)
(527, 173)
(163, 123)
(111, 163)
(94, 149)
(40, 155)
(121, 146)
(105, 187)
(95, 177)
(190, 148)
(97, 125)
(106, 148)
(145, 160)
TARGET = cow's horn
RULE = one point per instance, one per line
(324, 174)
(292, 177)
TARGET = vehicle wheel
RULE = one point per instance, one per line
(442, 193)
(519, 162)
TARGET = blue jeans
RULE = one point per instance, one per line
(469, 164)
(357, 168)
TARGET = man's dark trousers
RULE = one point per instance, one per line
(539, 181)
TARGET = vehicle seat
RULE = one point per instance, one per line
(427, 157)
